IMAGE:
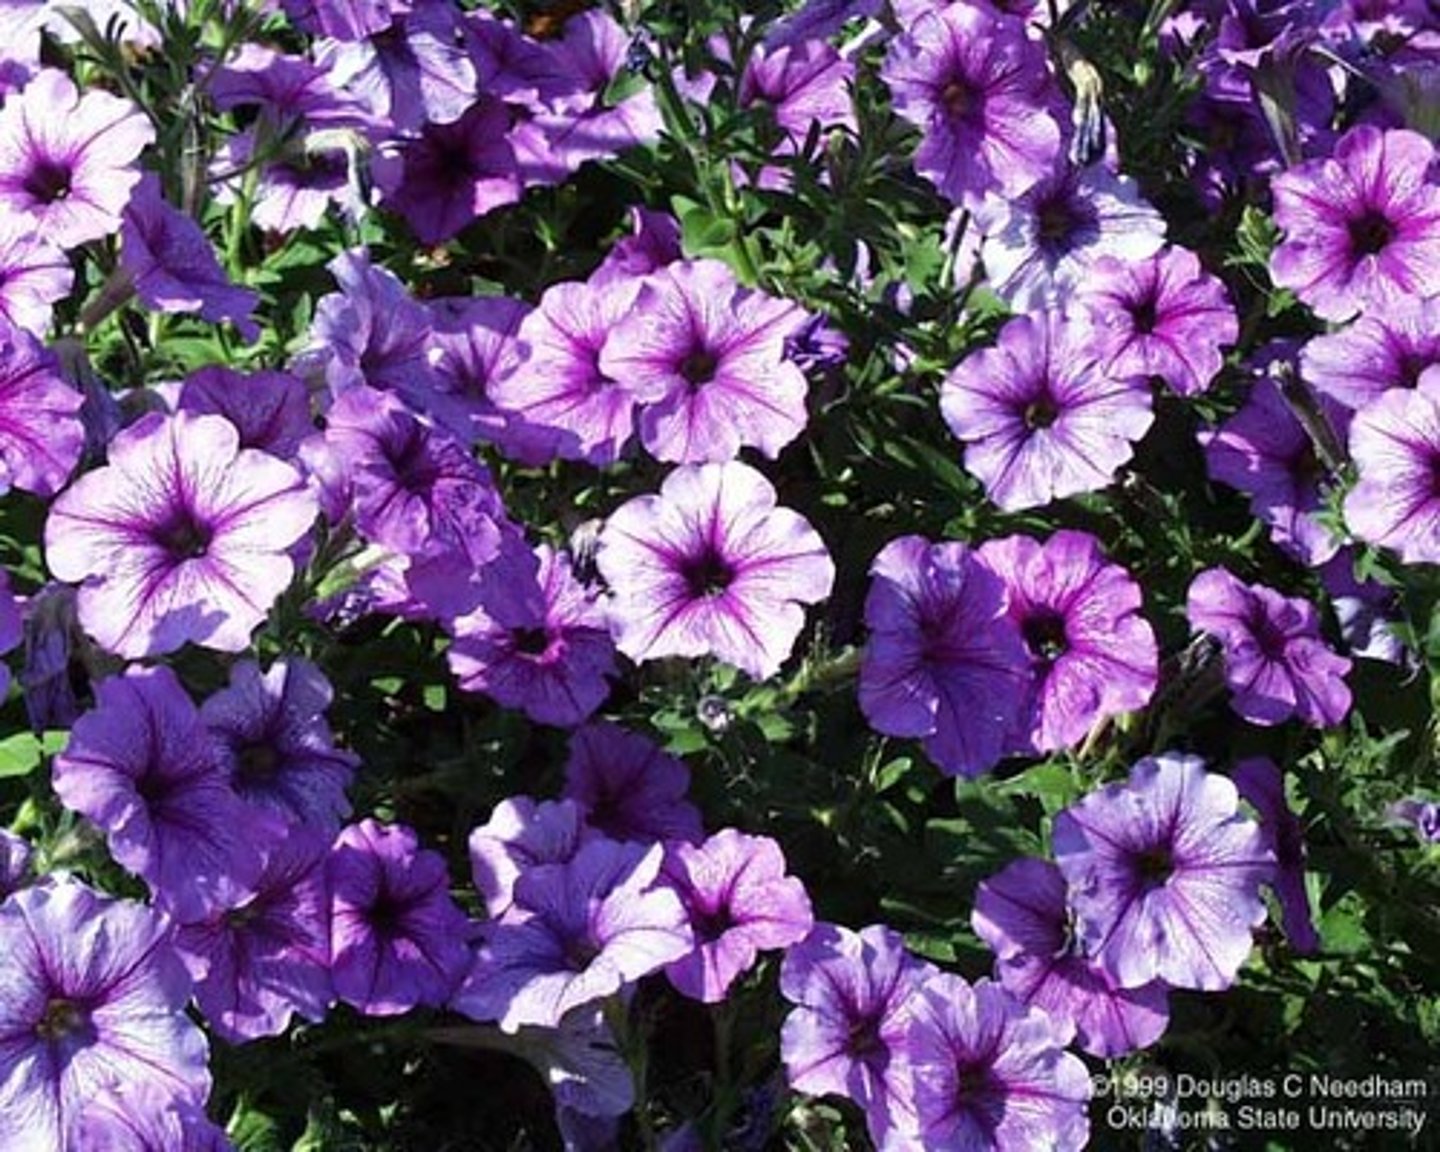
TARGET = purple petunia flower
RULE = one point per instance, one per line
(654, 242)
(1164, 875)
(1362, 228)
(807, 87)
(397, 939)
(1395, 443)
(577, 933)
(1378, 352)
(979, 90)
(1093, 655)
(1262, 785)
(1277, 665)
(538, 641)
(849, 1032)
(41, 434)
(993, 1073)
(711, 566)
(270, 410)
(1366, 611)
(34, 275)
(1421, 816)
(145, 771)
(1023, 915)
(628, 788)
(1039, 418)
(708, 357)
(266, 960)
(277, 748)
(345, 19)
(944, 661)
(740, 902)
(520, 834)
(91, 994)
(141, 1117)
(15, 858)
(52, 635)
(1164, 316)
(181, 537)
(67, 162)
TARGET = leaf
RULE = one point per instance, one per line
(21, 754)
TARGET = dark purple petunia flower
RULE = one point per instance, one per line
(707, 358)
(183, 536)
(1277, 665)
(1164, 316)
(740, 903)
(577, 933)
(277, 748)
(993, 1073)
(47, 678)
(67, 162)
(147, 773)
(1261, 784)
(166, 255)
(654, 242)
(520, 834)
(1366, 610)
(397, 939)
(628, 788)
(1378, 352)
(1164, 875)
(1039, 417)
(538, 641)
(266, 960)
(944, 661)
(34, 275)
(711, 566)
(1362, 228)
(15, 857)
(270, 410)
(345, 19)
(982, 95)
(41, 434)
(1093, 655)
(1023, 915)
(12, 627)
(849, 1032)
(1395, 443)
(91, 994)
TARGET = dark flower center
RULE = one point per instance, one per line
(863, 1039)
(531, 641)
(1271, 640)
(956, 98)
(257, 762)
(973, 1083)
(1040, 413)
(580, 953)
(1370, 233)
(62, 1020)
(1154, 867)
(386, 915)
(183, 537)
(1045, 636)
(48, 181)
(152, 787)
(1411, 367)
(1144, 315)
(414, 468)
(699, 367)
(711, 925)
(707, 574)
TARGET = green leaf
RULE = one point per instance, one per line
(21, 754)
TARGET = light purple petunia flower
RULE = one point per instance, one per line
(270, 410)
(578, 932)
(277, 748)
(1264, 451)
(1164, 875)
(266, 960)
(1277, 665)
(41, 434)
(34, 275)
(708, 358)
(91, 994)
(711, 567)
(397, 939)
(1040, 418)
(1093, 655)
(1164, 316)
(849, 1032)
(1395, 443)
(1263, 786)
(1038, 249)
(67, 162)
(145, 771)
(807, 88)
(538, 641)
(168, 258)
(143, 1117)
(654, 242)
(628, 788)
(993, 1073)
(15, 858)
(1362, 228)
(944, 661)
(345, 19)
(980, 91)
(520, 834)
(1022, 914)
(559, 386)
(181, 537)
(740, 902)
(1378, 352)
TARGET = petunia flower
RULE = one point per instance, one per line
(1262, 785)
(41, 433)
(1395, 443)
(181, 537)
(711, 566)
(520, 834)
(16, 856)
(270, 410)
(1277, 665)
(34, 275)
(140, 1116)
(628, 788)
(1379, 351)
(1164, 875)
